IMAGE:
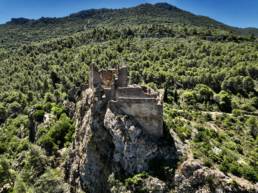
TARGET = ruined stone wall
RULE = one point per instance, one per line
(130, 92)
(143, 105)
(108, 93)
(134, 92)
(123, 77)
(146, 111)
(94, 77)
(107, 77)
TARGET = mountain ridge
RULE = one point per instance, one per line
(21, 31)
(84, 14)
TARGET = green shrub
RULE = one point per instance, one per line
(183, 132)
(58, 135)
(248, 84)
(39, 115)
(135, 180)
(254, 102)
(230, 145)
(39, 106)
(3, 147)
(14, 108)
(48, 143)
(223, 100)
(250, 173)
(248, 107)
(204, 135)
(5, 173)
(34, 163)
(235, 169)
(49, 97)
(24, 145)
(19, 186)
(252, 123)
(189, 98)
(207, 162)
(204, 93)
(57, 110)
(3, 113)
(62, 130)
(51, 181)
(237, 112)
(14, 126)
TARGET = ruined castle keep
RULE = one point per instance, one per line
(145, 105)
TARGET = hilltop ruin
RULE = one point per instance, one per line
(142, 103)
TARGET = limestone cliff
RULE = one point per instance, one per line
(111, 153)
(89, 163)
(108, 142)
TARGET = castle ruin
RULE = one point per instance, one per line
(142, 103)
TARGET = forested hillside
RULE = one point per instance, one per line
(208, 70)
(21, 30)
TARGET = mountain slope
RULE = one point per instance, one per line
(22, 30)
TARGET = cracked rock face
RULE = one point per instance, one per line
(133, 149)
(108, 142)
(194, 177)
(89, 162)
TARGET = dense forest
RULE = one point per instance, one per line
(209, 72)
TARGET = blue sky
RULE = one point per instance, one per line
(240, 13)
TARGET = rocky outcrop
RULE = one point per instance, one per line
(193, 177)
(89, 162)
(134, 149)
(139, 183)
(108, 142)
(111, 151)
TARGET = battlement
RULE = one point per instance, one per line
(142, 103)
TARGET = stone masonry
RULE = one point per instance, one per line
(143, 104)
